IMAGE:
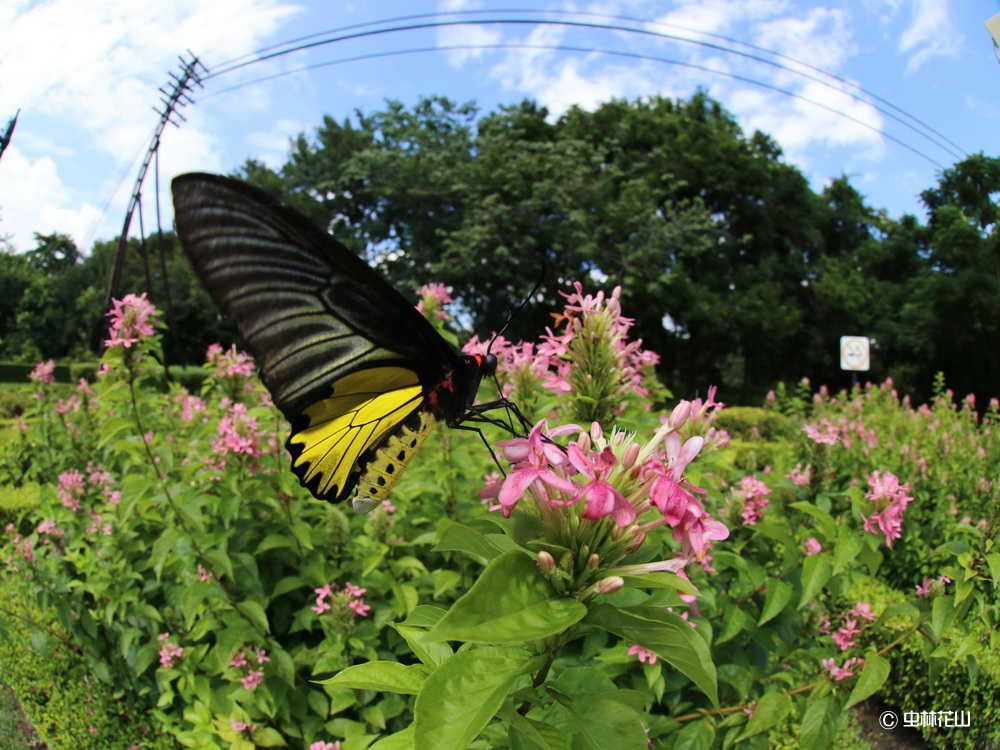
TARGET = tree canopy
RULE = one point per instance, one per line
(736, 271)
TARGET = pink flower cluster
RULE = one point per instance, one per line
(251, 677)
(552, 361)
(812, 546)
(325, 745)
(885, 491)
(844, 637)
(842, 673)
(169, 650)
(929, 584)
(350, 596)
(242, 726)
(43, 373)
(643, 655)
(434, 296)
(593, 469)
(190, 405)
(800, 477)
(237, 433)
(132, 319)
(754, 494)
(228, 362)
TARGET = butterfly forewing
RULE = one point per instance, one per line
(309, 310)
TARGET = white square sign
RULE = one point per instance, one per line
(855, 353)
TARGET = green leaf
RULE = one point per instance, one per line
(303, 534)
(771, 709)
(847, 549)
(268, 737)
(399, 741)
(425, 616)
(668, 636)
(460, 697)
(993, 560)
(826, 525)
(286, 584)
(819, 722)
(510, 603)
(283, 664)
(779, 593)
(735, 621)
(657, 581)
(454, 537)
(942, 614)
(383, 676)
(219, 560)
(431, 652)
(529, 734)
(255, 612)
(816, 571)
(272, 541)
(599, 722)
(445, 580)
(695, 735)
(872, 677)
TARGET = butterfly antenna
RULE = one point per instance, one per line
(510, 407)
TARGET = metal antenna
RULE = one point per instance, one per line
(172, 100)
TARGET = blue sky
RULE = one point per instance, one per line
(85, 77)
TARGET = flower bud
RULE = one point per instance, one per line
(630, 455)
(593, 561)
(584, 442)
(610, 585)
(595, 431)
(546, 563)
(680, 414)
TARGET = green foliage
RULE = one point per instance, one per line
(61, 697)
(190, 571)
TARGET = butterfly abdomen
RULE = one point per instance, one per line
(390, 460)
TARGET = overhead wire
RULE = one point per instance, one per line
(573, 48)
(303, 42)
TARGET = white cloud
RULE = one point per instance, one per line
(271, 146)
(472, 35)
(931, 33)
(22, 213)
(85, 77)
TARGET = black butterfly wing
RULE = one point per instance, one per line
(345, 357)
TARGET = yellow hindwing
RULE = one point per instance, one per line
(363, 408)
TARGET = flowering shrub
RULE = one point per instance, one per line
(614, 588)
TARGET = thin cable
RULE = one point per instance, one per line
(616, 53)
(956, 150)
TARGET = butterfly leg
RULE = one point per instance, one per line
(486, 442)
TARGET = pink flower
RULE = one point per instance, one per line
(841, 673)
(889, 495)
(602, 498)
(241, 726)
(44, 373)
(168, 651)
(237, 433)
(239, 660)
(436, 296)
(845, 635)
(925, 588)
(812, 546)
(799, 476)
(229, 363)
(203, 575)
(132, 320)
(644, 656)
(532, 456)
(863, 610)
(754, 493)
(325, 745)
(252, 679)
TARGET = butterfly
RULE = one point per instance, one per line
(359, 373)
